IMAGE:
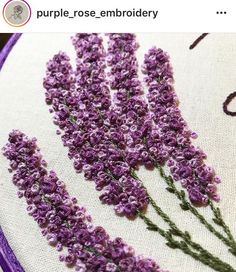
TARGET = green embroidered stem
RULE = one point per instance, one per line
(174, 230)
(186, 205)
(202, 255)
(219, 221)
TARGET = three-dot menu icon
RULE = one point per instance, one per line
(221, 12)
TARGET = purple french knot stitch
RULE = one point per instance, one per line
(185, 161)
(81, 104)
(64, 223)
(108, 138)
(156, 132)
(8, 260)
(133, 118)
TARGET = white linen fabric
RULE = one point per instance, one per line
(204, 77)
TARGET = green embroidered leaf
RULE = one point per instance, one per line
(217, 221)
(171, 190)
(175, 232)
(184, 206)
(233, 251)
(153, 228)
(187, 235)
(218, 213)
(169, 234)
(170, 179)
(171, 245)
(183, 244)
(182, 193)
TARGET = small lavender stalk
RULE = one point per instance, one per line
(186, 162)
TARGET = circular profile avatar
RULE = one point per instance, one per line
(16, 12)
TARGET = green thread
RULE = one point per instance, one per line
(174, 230)
(186, 205)
(219, 221)
(203, 256)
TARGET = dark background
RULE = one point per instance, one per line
(3, 39)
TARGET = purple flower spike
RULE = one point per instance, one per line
(107, 141)
(82, 110)
(185, 160)
(64, 223)
(133, 118)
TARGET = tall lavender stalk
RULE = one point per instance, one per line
(81, 106)
(133, 116)
(185, 161)
(64, 223)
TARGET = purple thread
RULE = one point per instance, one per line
(64, 223)
(186, 161)
(80, 103)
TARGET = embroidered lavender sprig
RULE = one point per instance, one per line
(73, 119)
(64, 223)
(129, 104)
(185, 161)
(81, 112)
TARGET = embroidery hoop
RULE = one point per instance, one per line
(8, 260)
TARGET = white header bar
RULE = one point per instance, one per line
(118, 16)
